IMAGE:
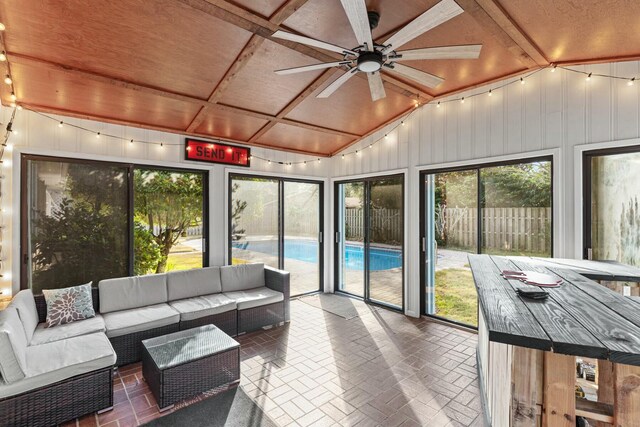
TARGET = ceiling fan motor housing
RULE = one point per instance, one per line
(370, 62)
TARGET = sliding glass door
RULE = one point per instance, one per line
(611, 210)
(500, 209)
(84, 220)
(278, 222)
(370, 239)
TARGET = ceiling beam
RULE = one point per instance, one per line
(495, 20)
(17, 58)
(86, 116)
(258, 25)
(252, 46)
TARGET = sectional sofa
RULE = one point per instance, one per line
(50, 375)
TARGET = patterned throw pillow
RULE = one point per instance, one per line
(68, 305)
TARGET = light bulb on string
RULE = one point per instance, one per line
(588, 78)
(553, 68)
(7, 79)
(462, 100)
(490, 92)
(2, 27)
(13, 96)
(3, 56)
(60, 124)
(521, 80)
(402, 123)
(131, 142)
(370, 145)
(98, 135)
(631, 82)
(438, 105)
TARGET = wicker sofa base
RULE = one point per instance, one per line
(256, 318)
(227, 322)
(59, 402)
(128, 348)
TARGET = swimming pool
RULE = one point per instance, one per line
(307, 250)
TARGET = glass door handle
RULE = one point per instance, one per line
(424, 244)
(320, 237)
(337, 237)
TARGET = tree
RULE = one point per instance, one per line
(83, 235)
(237, 207)
(169, 202)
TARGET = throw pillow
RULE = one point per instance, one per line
(68, 305)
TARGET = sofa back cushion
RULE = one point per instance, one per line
(193, 283)
(242, 277)
(132, 292)
(25, 304)
(13, 346)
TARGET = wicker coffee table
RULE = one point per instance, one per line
(183, 364)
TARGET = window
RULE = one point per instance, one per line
(86, 221)
(369, 241)
(501, 209)
(278, 222)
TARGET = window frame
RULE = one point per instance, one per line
(281, 225)
(477, 167)
(24, 205)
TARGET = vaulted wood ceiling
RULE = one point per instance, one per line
(206, 67)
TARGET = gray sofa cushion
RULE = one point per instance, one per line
(43, 335)
(241, 277)
(26, 306)
(193, 283)
(208, 305)
(255, 297)
(126, 322)
(59, 360)
(131, 292)
(13, 346)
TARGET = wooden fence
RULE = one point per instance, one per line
(386, 225)
(511, 229)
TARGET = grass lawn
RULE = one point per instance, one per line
(184, 261)
(456, 297)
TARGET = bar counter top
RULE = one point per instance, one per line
(579, 318)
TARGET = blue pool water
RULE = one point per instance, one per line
(306, 250)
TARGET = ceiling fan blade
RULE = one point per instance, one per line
(445, 52)
(321, 66)
(433, 17)
(419, 76)
(356, 11)
(312, 42)
(337, 83)
(376, 86)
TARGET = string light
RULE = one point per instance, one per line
(319, 160)
(7, 79)
(438, 104)
(13, 96)
(3, 56)
(553, 68)
(521, 80)
(631, 82)
(343, 157)
(490, 92)
(131, 141)
(462, 100)
(386, 136)
(60, 124)
(2, 27)
(370, 145)
(402, 123)
(98, 135)
(588, 77)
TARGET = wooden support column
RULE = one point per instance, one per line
(559, 390)
(526, 387)
(605, 386)
(626, 410)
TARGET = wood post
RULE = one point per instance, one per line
(526, 387)
(626, 392)
(559, 390)
(605, 386)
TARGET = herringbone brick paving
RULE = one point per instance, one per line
(381, 369)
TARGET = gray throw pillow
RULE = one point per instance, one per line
(68, 305)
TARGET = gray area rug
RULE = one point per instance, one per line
(231, 408)
(342, 306)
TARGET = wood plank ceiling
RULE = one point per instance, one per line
(205, 67)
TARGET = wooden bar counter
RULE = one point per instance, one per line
(527, 348)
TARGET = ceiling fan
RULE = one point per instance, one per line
(371, 58)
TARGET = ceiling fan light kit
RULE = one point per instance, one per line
(371, 58)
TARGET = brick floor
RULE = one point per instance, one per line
(381, 369)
